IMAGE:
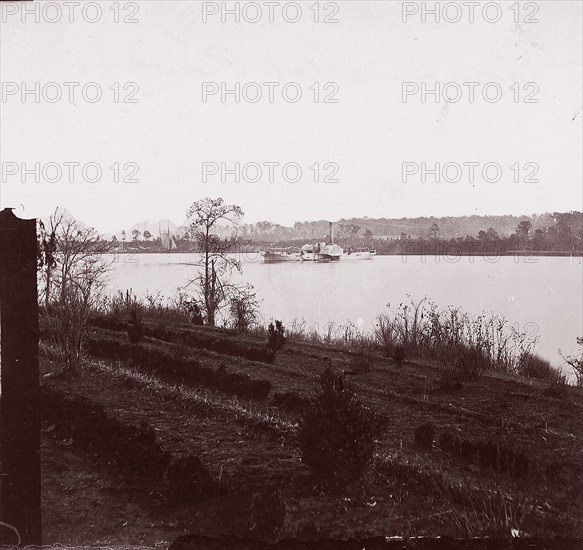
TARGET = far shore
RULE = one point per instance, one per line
(521, 253)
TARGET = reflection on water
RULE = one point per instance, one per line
(541, 295)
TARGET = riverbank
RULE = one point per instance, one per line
(187, 393)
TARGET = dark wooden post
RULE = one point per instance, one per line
(20, 409)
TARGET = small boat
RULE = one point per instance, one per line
(359, 254)
(276, 255)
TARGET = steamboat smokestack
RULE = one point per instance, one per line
(331, 230)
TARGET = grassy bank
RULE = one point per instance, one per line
(418, 329)
(463, 451)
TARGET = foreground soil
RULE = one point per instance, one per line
(259, 487)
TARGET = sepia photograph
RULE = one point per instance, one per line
(291, 275)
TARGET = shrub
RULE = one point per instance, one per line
(260, 389)
(385, 334)
(243, 306)
(446, 442)
(188, 479)
(175, 365)
(193, 338)
(135, 328)
(336, 433)
(276, 336)
(196, 316)
(154, 307)
(361, 362)
(489, 343)
(399, 354)
(289, 401)
(459, 364)
(266, 512)
(533, 366)
(67, 324)
(91, 427)
(576, 362)
(557, 388)
(488, 454)
(135, 442)
(424, 435)
(449, 378)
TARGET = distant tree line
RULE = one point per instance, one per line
(555, 233)
(414, 228)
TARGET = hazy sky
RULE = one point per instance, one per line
(170, 132)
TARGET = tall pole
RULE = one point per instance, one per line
(20, 499)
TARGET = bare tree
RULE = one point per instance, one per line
(73, 285)
(212, 281)
(576, 362)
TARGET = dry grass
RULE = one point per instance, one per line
(154, 307)
(490, 512)
(474, 507)
(465, 346)
(230, 407)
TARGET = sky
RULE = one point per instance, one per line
(350, 149)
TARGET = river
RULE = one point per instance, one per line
(543, 296)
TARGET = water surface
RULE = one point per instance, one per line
(543, 296)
